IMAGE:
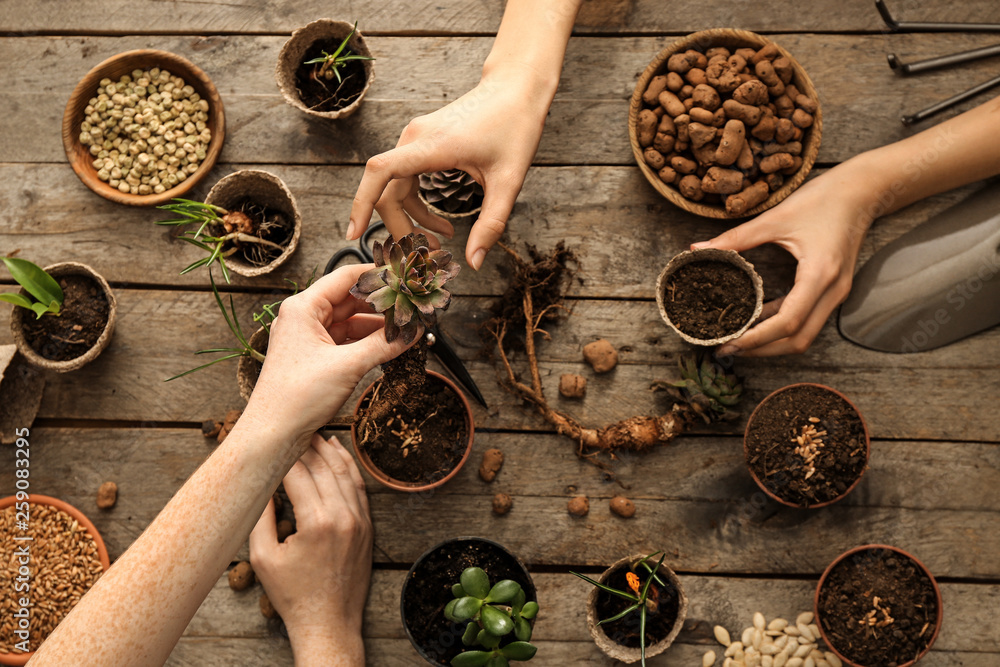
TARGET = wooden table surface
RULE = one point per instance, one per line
(934, 483)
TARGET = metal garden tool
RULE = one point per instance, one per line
(934, 285)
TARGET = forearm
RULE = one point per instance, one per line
(139, 608)
(954, 153)
(327, 647)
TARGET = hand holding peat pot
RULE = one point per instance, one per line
(806, 445)
(878, 605)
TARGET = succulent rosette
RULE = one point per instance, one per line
(706, 387)
(407, 284)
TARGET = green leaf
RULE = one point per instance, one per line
(467, 607)
(608, 589)
(530, 610)
(497, 622)
(34, 280)
(503, 591)
(519, 651)
(645, 589)
(642, 634)
(449, 610)
(518, 602)
(382, 299)
(522, 629)
(470, 635)
(498, 661)
(458, 591)
(619, 616)
(17, 299)
(471, 659)
(475, 582)
(488, 639)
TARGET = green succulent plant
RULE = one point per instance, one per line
(331, 63)
(45, 292)
(643, 596)
(407, 284)
(706, 387)
(492, 613)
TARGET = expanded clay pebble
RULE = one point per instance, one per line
(502, 504)
(266, 607)
(623, 507)
(241, 576)
(572, 385)
(228, 424)
(107, 495)
(492, 462)
(578, 506)
(601, 355)
(284, 529)
(777, 643)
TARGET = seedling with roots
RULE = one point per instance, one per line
(330, 64)
(219, 232)
(492, 614)
(644, 596)
(46, 294)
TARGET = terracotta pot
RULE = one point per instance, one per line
(851, 552)
(412, 487)
(18, 314)
(626, 654)
(746, 449)
(294, 50)
(265, 189)
(710, 254)
(21, 386)
(458, 544)
(248, 369)
(102, 553)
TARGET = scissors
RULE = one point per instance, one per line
(435, 341)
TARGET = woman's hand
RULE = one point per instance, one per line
(317, 579)
(822, 225)
(491, 132)
(321, 345)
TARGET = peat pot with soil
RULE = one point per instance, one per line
(709, 296)
(806, 445)
(412, 428)
(64, 315)
(249, 223)
(325, 69)
(467, 602)
(636, 608)
(878, 606)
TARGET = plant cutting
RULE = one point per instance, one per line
(454, 616)
(72, 314)
(635, 610)
(451, 194)
(491, 614)
(806, 445)
(878, 605)
(413, 427)
(705, 392)
(709, 296)
(325, 69)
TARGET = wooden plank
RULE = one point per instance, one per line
(415, 76)
(457, 16)
(694, 498)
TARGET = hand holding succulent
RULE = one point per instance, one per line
(407, 284)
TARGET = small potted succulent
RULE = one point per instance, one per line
(709, 296)
(413, 428)
(635, 610)
(325, 69)
(64, 314)
(452, 194)
(249, 223)
(806, 445)
(454, 616)
(878, 605)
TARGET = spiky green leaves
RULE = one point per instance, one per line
(493, 613)
(407, 284)
(706, 387)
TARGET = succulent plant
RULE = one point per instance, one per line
(407, 284)
(452, 191)
(493, 613)
(706, 388)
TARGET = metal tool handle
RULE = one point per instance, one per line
(951, 101)
(931, 26)
(942, 61)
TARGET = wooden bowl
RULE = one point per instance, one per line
(731, 39)
(113, 68)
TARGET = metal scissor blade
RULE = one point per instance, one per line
(447, 356)
(932, 286)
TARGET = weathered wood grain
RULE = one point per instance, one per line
(694, 499)
(862, 98)
(463, 16)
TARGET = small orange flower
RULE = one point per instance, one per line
(633, 581)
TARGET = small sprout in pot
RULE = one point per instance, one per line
(329, 65)
(46, 294)
(493, 614)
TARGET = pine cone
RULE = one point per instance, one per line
(452, 191)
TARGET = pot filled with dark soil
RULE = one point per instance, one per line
(325, 91)
(427, 589)
(878, 606)
(269, 214)
(709, 296)
(416, 444)
(79, 333)
(665, 614)
(248, 369)
(806, 445)
(452, 194)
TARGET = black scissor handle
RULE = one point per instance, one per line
(363, 252)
